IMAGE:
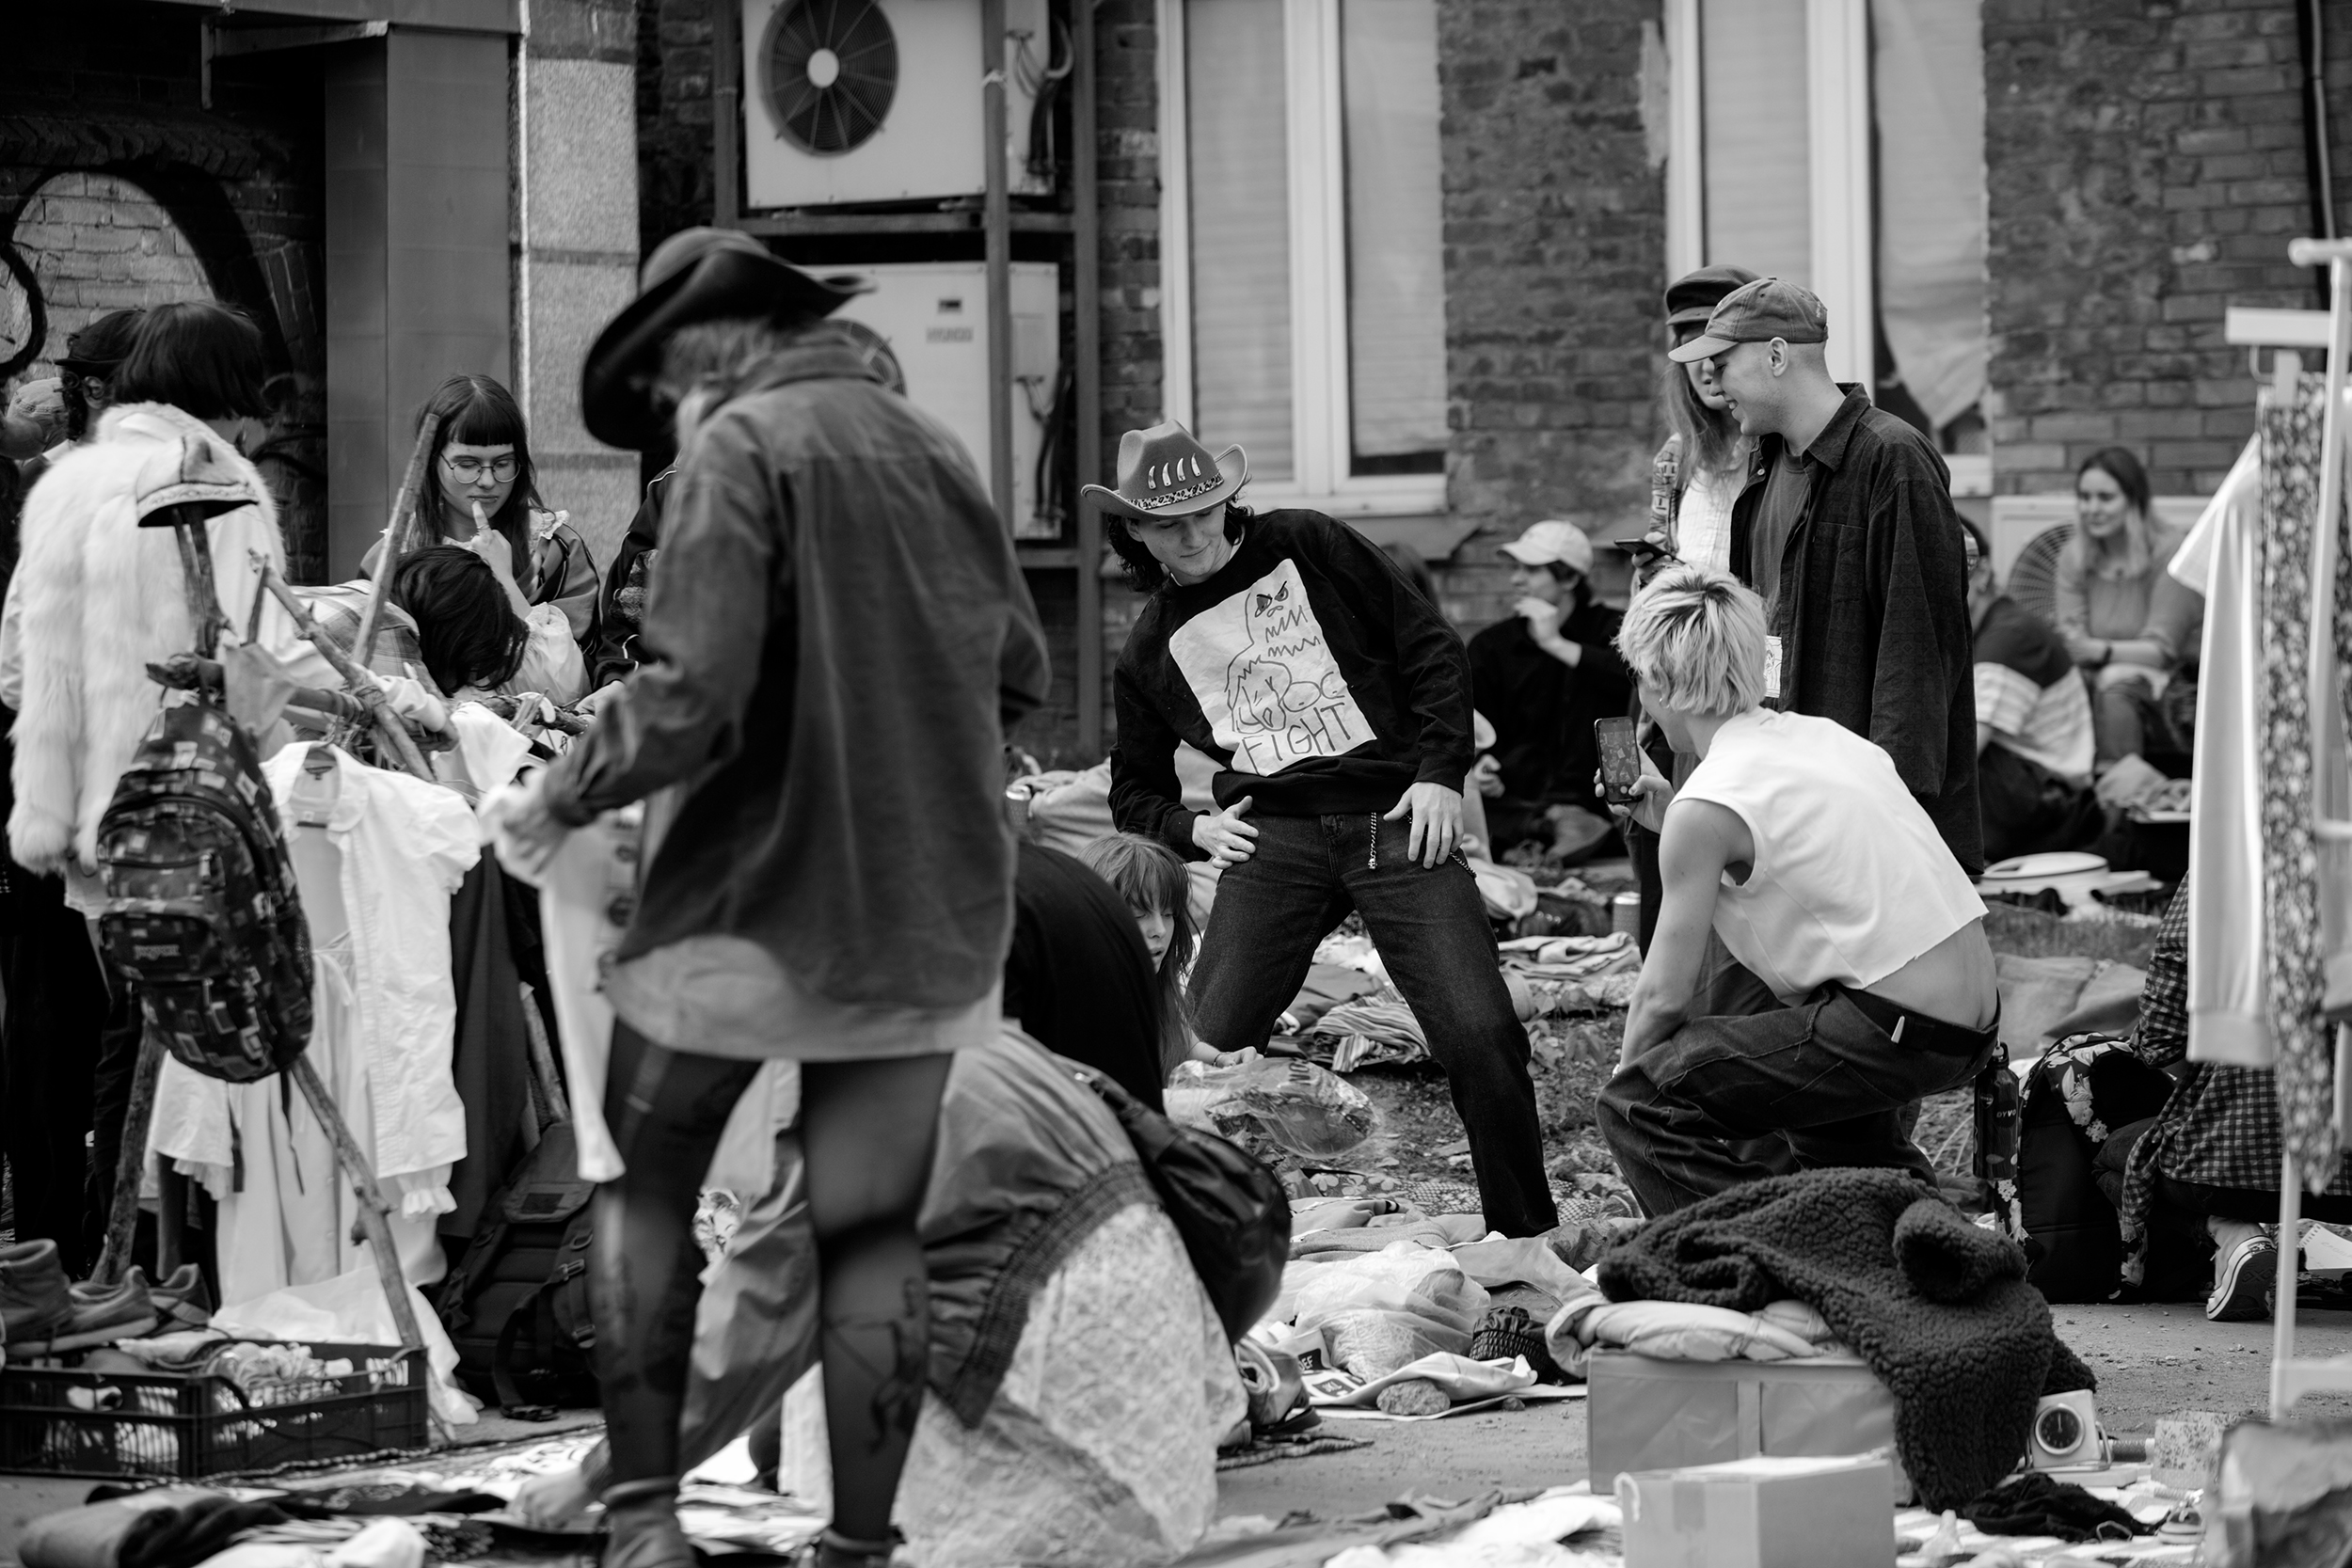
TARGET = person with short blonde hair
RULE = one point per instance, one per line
(1796, 843)
(1695, 640)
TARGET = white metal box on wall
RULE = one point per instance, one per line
(935, 317)
(849, 101)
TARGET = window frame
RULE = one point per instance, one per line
(1844, 228)
(1315, 144)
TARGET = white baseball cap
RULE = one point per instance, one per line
(1547, 542)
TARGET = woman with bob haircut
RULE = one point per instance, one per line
(1872, 944)
(479, 464)
(96, 598)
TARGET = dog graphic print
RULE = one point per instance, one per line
(1263, 672)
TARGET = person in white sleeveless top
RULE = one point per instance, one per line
(1797, 843)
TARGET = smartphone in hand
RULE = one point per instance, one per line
(1620, 760)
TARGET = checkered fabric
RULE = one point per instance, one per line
(2220, 1128)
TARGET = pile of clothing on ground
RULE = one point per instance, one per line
(1350, 1016)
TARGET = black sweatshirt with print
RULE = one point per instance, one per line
(1319, 678)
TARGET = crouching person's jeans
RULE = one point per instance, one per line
(1431, 926)
(1695, 1113)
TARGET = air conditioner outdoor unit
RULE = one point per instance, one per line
(849, 101)
(934, 317)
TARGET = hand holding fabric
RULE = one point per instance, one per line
(523, 832)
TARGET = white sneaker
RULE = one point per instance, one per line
(2243, 1283)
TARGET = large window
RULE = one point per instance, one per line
(1301, 245)
(1840, 143)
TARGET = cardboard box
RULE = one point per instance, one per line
(1760, 1513)
(1651, 1415)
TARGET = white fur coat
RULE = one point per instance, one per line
(96, 598)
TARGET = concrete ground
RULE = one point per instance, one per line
(2151, 1360)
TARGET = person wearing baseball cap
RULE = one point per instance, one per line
(1541, 677)
(1335, 698)
(1844, 528)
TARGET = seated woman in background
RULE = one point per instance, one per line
(482, 495)
(2126, 623)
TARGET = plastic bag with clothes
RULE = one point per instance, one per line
(1387, 1310)
(1303, 1108)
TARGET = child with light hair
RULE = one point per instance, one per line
(1797, 844)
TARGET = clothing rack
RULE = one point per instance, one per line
(2293, 1376)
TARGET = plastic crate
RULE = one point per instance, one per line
(83, 1423)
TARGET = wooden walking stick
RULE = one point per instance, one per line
(374, 1208)
(396, 532)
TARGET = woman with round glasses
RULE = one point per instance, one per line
(482, 459)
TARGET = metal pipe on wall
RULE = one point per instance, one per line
(1087, 345)
(999, 223)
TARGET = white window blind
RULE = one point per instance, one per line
(1395, 242)
(1928, 91)
(1236, 106)
(1758, 179)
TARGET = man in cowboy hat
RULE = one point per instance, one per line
(1336, 699)
(835, 638)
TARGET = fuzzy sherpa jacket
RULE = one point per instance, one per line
(1937, 1307)
(94, 600)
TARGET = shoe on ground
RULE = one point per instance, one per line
(642, 1529)
(182, 1300)
(2243, 1284)
(100, 1315)
(36, 1302)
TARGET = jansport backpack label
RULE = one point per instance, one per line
(202, 915)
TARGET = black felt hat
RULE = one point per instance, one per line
(696, 275)
(1692, 297)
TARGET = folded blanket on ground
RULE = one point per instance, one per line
(1938, 1308)
(1683, 1331)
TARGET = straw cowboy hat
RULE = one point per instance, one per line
(1163, 472)
(696, 275)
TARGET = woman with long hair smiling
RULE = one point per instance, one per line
(2125, 622)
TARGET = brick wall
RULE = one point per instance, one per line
(119, 188)
(673, 148)
(2145, 168)
(1127, 146)
(1554, 249)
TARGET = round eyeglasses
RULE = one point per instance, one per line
(467, 469)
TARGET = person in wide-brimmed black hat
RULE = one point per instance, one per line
(1336, 699)
(835, 638)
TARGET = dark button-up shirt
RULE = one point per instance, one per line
(1873, 610)
(837, 634)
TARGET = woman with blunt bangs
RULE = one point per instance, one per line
(481, 464)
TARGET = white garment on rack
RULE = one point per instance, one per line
(399, 847)
(489, 752)
(2228, 1011)
(591, 879)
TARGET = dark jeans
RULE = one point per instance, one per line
(1716, 1104)
(1431, 926)
(2129, 721)
(2029, 810)
(56, 1007)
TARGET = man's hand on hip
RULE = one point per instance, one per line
(1228, 839)
(1437, 813)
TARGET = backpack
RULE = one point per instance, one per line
(201, 911)
(2084, 1089)
(516, 1304)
